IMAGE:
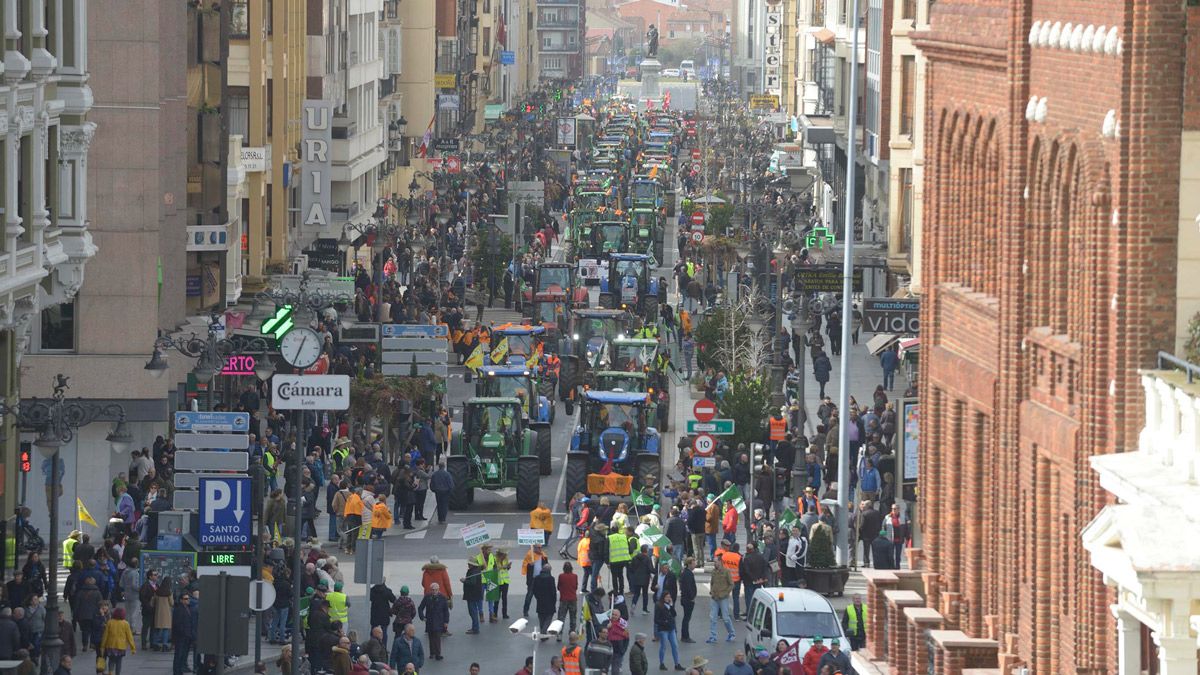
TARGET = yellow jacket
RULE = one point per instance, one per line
(541, 519)
(117, 635)
(381, 516)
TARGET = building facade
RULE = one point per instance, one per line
(906, 143)
(1052, 237)
(1134, 541)
(133, 182)
(561, 27)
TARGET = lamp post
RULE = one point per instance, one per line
(55, 421)
(211, 354)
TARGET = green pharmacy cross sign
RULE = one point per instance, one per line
(818, 238)
(279, 324)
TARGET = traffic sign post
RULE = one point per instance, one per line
(225, 511)
(227, 422)
(704, 445)
(704, 410)
(698, 236)
(697, 218)
(714, 427)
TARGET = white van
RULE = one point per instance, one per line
(790, 614)
(688, 66)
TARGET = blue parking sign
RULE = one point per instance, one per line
(225, 507)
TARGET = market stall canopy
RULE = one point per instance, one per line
(708, 199)
(880, 342)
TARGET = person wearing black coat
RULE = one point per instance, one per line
(676, 532)
(882, 551)
(639, 572)
(687, 597)
(382, 598)
(435, 611)
(545, 591)
(754, 571)
(10, 635)
(181, 636)
(870, 522)
(664, 629)
(665, 582)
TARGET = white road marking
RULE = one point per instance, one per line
(419, 534)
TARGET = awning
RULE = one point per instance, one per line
(818, 129)
(910, 345)
(825, 36)
(880, 342)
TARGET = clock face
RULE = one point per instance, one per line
(301, 347)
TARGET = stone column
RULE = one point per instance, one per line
(1129, 642)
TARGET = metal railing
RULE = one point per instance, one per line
(1191, 369)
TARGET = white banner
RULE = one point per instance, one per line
(475, 534)
(310, 392)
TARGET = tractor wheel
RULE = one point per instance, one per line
(546, 388)
(460, 470)
(567, 376)
(569, 407)
(577, 471)
(650, 305)
(528, 483)
(606, 301)
(541, 444)
(647, 470)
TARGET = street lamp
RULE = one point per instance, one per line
(55, 421)
(211, 354)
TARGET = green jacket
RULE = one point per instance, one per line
(637, 660)
(721, 584)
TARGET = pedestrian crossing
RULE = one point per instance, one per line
(453, 531)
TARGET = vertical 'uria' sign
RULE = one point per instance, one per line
(315, 183)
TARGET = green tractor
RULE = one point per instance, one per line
(646, 231)
(495, 450)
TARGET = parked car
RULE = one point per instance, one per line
(778, 613)
(670, 72)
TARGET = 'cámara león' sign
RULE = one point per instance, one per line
(310, 392)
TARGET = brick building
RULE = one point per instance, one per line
(1053, 240)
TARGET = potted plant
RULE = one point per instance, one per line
(823, 574)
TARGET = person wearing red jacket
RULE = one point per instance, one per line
(730, 522)
(812, 659)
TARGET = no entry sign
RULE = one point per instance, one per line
(697, 218)
(704, 445)
(704, 410)
(695, 153)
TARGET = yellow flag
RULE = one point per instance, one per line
(534, 357)
(500, 351)
(654, 171)
(475, 360)
(82, 513)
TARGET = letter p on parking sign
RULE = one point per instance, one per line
(225, 511)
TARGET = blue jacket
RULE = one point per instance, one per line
(889, 360)
(868, 480)
(402, 654)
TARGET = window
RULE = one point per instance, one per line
(57, 329)
(908, 85)
(906, 208)
(239, 116)
(487, 41)
(239, 19)
(908, 10)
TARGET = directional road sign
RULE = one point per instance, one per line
(210, 441)
(225, 511)
(704, 410)
(189, 460)
(704, 445)
(229, 422)
(714, 427)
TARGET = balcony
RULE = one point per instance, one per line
(208, 237)
(344, 129)
(569, 3)
(558, 23)
(343, 213)
(560, 48)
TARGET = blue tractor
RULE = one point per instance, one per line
(615, 434)
(537, 410)
(631, 285)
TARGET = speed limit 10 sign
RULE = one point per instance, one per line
(704, 445)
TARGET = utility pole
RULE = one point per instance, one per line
(844, 468)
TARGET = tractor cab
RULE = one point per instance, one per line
(614, 435)
(516, 382)
(608, 236)
(630, 285)
(646, 231)
(633, 355)
(616, 380)
(646, 192)
(523, 340)
(497, 449)
(586, 347)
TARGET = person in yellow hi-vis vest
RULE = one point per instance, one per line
(618, 558)
(339, 606)
(68, 549)
(855, 622)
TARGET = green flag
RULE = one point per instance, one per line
(730, 494)
(788, 518)
(739, 504)
(674, 565)
(491, 582)
(652, 536)
(641, 498)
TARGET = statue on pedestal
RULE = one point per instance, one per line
(652, 41)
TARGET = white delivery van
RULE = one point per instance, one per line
(791, 614)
